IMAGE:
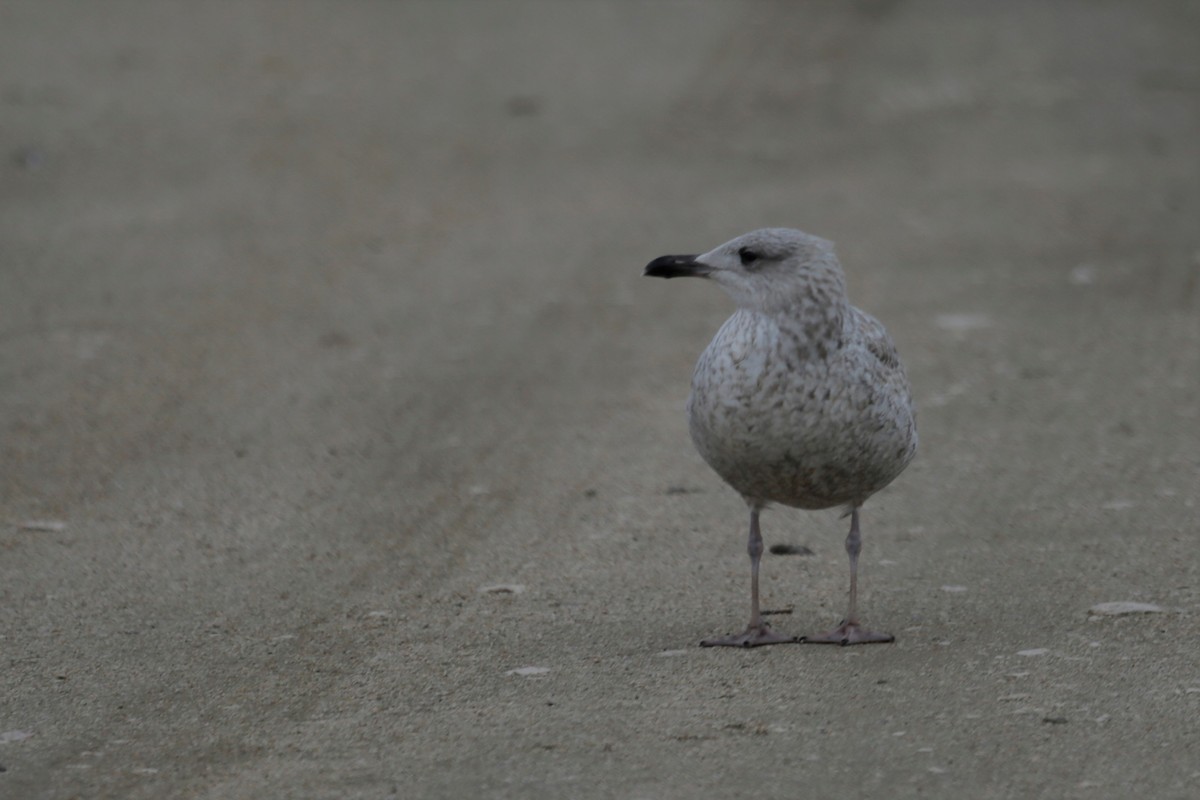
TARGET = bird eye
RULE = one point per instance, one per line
(747, 256)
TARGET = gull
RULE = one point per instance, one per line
(799, 400)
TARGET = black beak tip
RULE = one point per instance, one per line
(672, 267)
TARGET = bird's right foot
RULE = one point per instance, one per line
(751, 637)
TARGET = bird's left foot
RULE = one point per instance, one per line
(848, 633)
(756, 636)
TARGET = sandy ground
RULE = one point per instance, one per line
(320, 319)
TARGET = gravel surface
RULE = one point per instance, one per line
(342, 441)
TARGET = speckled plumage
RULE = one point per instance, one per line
(800, 399)
(801, 414)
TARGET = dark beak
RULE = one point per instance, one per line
(676, 267)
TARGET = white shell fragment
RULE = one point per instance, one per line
(1083, 275)
(502, 588)
(49, 525)
(527, 671)
(963, 321)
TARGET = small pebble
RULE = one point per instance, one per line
(1116, 609)
(789, 550)
(29, 157)
(523, 105)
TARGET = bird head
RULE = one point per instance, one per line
(771, 269)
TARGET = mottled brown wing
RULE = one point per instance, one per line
(877, 339)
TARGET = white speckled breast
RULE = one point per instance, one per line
(794, 414)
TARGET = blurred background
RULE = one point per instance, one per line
(330, 394)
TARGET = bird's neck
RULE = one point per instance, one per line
(816, 312)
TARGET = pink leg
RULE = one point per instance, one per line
(757, 633)
(850, 632)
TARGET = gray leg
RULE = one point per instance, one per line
(757, 633)
(850, 632)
